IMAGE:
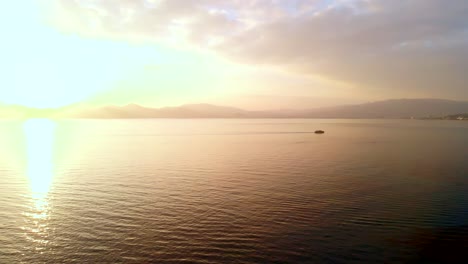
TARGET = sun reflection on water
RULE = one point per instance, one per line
(40, 136)
(40, 142)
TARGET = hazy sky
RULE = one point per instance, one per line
(250, 53)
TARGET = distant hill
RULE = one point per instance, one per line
(452, 117)
(136, 111)
(397, 108)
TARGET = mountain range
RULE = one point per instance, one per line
(395, 108)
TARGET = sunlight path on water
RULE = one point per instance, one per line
(40, 137)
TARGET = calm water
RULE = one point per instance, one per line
(233, 191)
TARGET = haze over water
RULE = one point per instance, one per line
(232, 191)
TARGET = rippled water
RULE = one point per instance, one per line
(233, 191)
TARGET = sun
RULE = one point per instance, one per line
(32, 66)
(36, 85)
(42, 67)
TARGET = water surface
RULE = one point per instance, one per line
(233, 191)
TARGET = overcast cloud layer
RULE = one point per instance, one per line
(414, 48)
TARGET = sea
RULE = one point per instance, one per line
(233, 191)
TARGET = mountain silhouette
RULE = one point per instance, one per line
(395, 108)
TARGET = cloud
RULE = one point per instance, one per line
(195, 21)
(379, 47)
(410, 47)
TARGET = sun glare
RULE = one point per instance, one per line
(44, 68)
(40, 136)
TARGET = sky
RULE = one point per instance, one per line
(255, 54)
